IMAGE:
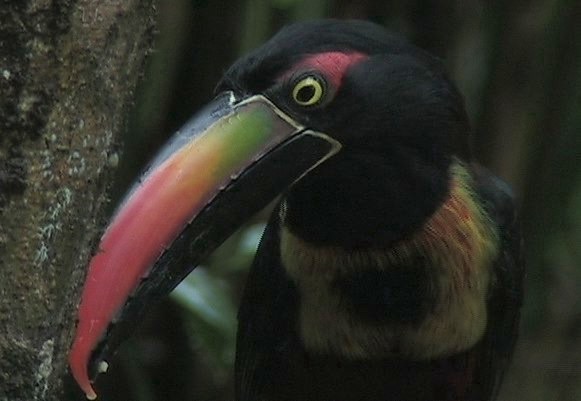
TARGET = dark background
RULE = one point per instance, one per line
(517, 62)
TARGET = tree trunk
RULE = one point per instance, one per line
(68, 70)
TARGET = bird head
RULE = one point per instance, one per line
(355, 127)
(390, 105)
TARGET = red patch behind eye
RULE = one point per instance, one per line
(332, 65)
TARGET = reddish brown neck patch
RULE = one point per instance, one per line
(332, 65)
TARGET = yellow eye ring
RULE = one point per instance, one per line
(308, 91)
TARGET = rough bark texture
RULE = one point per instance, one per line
(68, 69)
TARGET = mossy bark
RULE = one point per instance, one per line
(68, 70)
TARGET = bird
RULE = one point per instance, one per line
(391, 266)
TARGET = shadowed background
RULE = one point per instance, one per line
(518, 64)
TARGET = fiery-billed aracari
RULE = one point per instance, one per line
(390, 269)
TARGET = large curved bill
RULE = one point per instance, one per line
(226, 164)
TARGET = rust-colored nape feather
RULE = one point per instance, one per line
(459, 236)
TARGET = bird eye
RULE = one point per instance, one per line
(308, 91)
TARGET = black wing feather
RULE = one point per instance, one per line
(265, 320)
(495, 350)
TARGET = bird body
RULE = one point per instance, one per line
(420, 297)
(391, 267)
(431, 317)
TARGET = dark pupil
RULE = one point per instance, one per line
(306, 93)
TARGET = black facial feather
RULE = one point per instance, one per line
(398, 136)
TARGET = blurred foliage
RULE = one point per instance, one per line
(206, 298)
(518, 64)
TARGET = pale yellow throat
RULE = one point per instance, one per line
(459, 241)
